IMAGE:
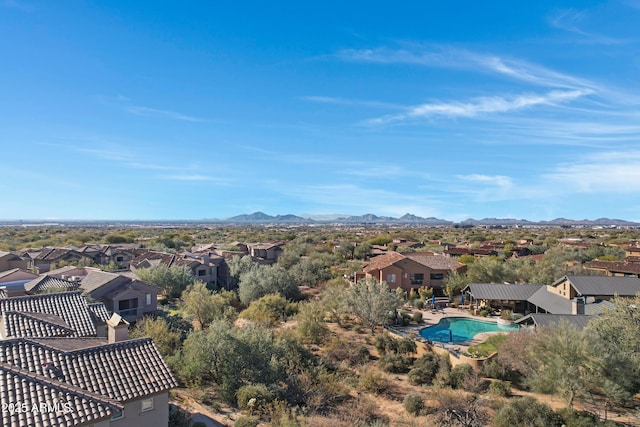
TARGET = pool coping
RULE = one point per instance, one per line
(431, 318)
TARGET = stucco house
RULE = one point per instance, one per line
(10, 260)
(124, 294)
(264, 253)
(412, 270)
(614, 268)
(202, 266)
(84, 382)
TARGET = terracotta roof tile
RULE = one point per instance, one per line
(44, 401)
(121, 371)
(47, 283)
(435, 262)
(383, 261)
(22, 324)
(99, 312)
(71, 307)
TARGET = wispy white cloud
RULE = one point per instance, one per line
(163, 114)
(126, 104)
(605, 172)
(594, 175)
(443, 56)
(482, 105)
(501, 181)
(570, 20)
(569, 93)
(194, 178)
(350, 102)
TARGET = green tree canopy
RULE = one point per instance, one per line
(166, 339)
(205, 305)
(263, 280)
(372, 302)
(171, 280)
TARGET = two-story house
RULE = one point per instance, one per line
(412, 270)
(84, 381)
(121, 293)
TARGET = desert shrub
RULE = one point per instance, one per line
(269, 309)
(362, 355)
(246, 422)
(395, 363)
(526, 412)
(254, 397)
(456, 408)
(406, 346)
(443, 376)
(385, 343)
(282, 415)
(583, 419)
(474, 383)
(425, 369)
(373, 381)
(336, 351)
(494, 369)
(362, 411)
(459, 374)
(419, 304)
(485, 311)
(311, 326)
(500, 388)
(413, 403)
(417, 317)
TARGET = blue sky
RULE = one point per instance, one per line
(190, 110)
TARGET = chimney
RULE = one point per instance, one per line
(118, 329)
(577, 306)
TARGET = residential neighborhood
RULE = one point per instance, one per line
(320, 214)
(57, 319)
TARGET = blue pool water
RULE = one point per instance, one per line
(462, 329)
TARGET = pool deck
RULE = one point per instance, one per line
(432, 317)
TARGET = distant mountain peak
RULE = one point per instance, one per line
(408, 218)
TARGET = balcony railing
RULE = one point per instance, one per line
(128, 312)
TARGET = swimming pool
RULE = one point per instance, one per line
(461, 329)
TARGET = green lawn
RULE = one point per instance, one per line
(488, 347)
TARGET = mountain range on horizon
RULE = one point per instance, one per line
(261, 217)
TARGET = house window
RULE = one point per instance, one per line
(437, 276)
(118, 416)
(148, 299)
(202, 272)
(119, 259)
(391, 278)
(147, 404)
(417, 278)
(128, 307)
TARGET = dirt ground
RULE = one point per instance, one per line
(388, 404)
